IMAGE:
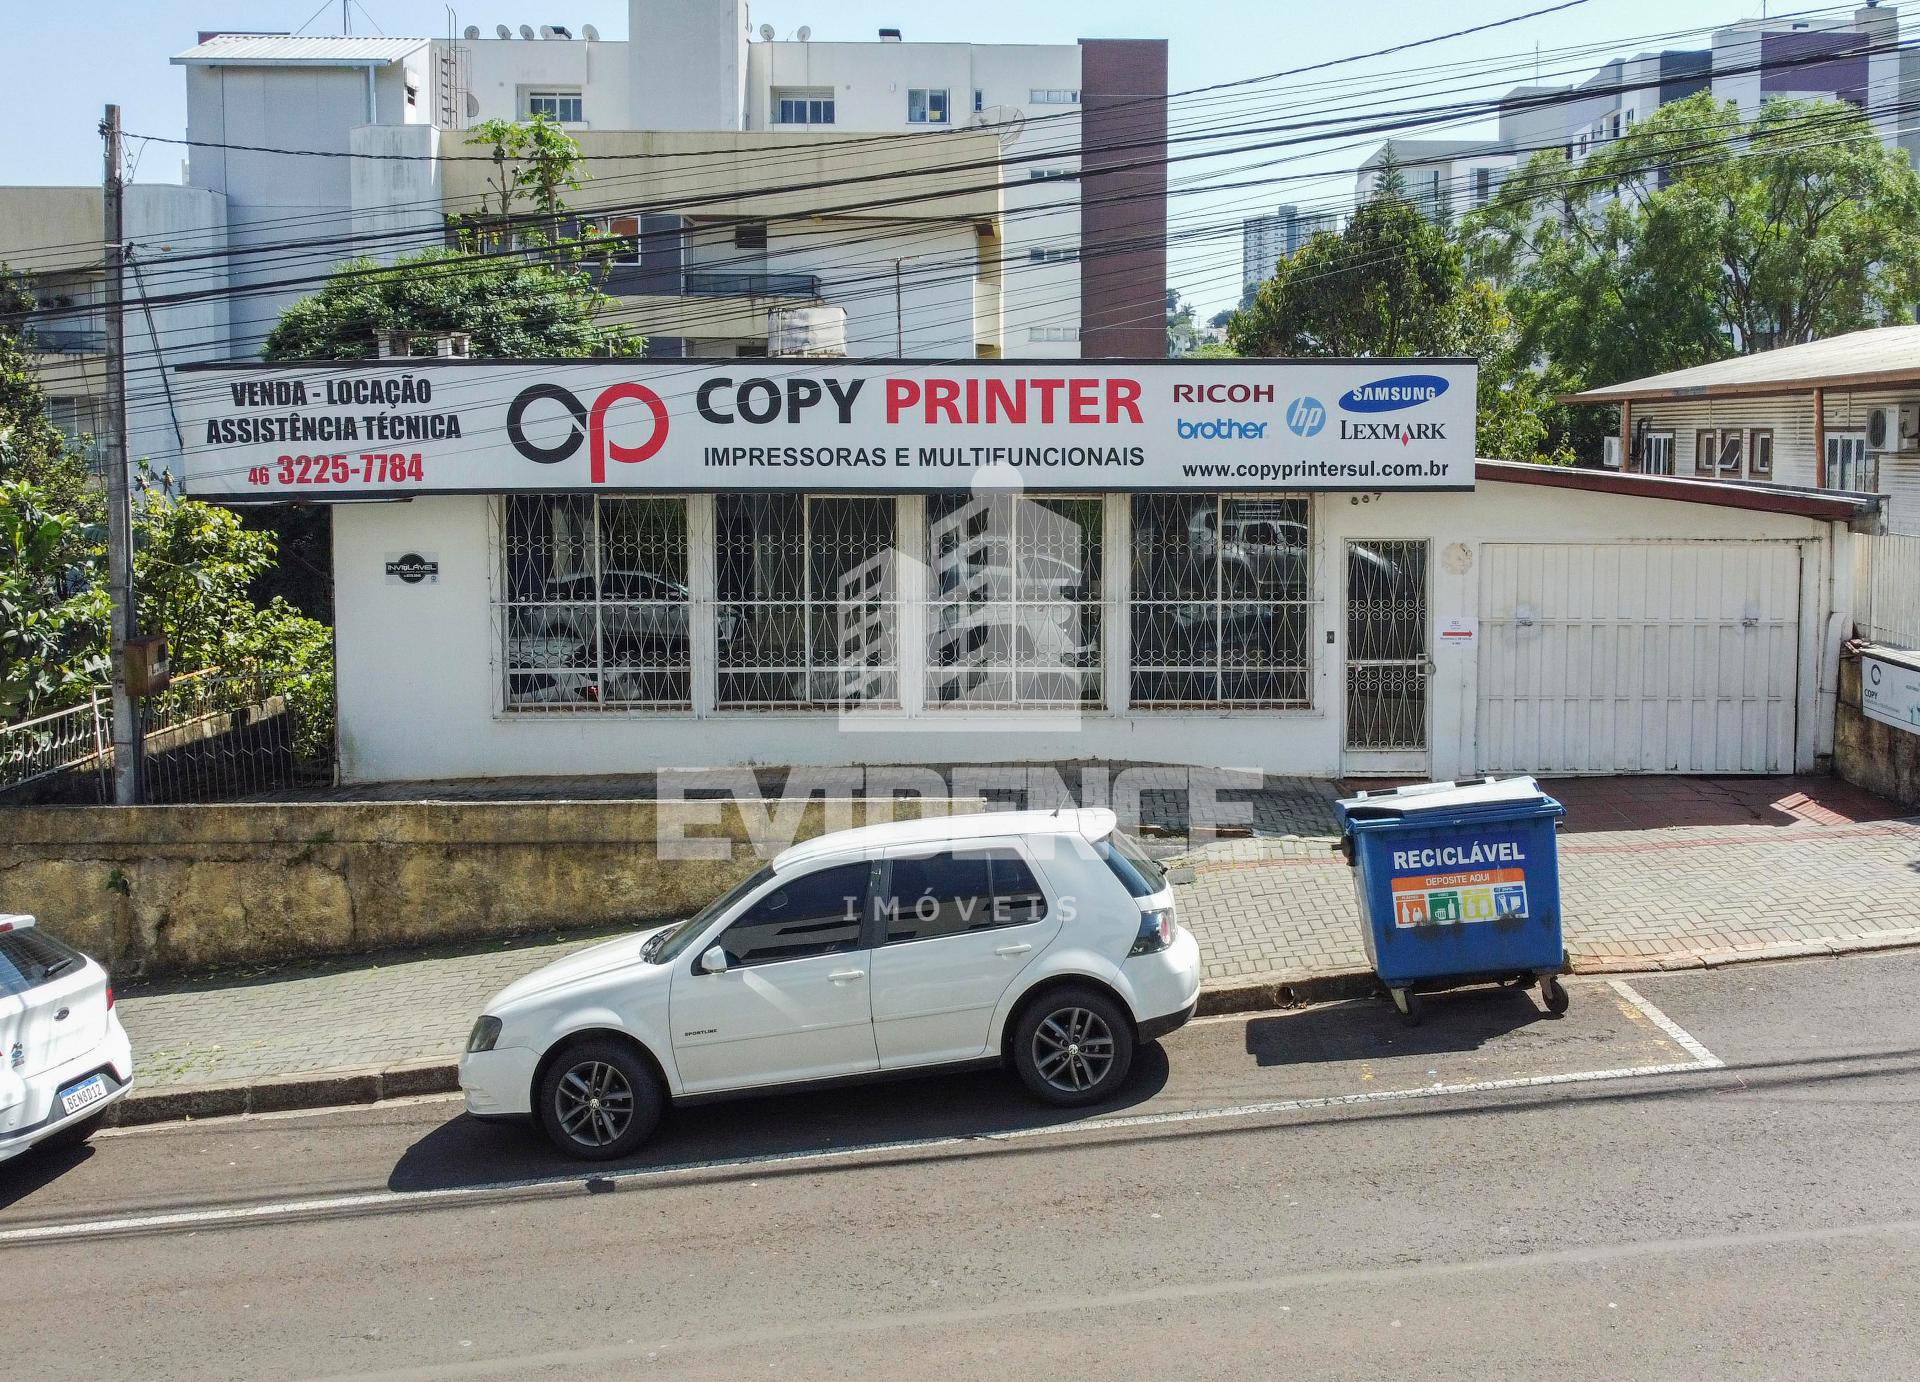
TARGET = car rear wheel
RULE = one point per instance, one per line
(599, 1100)
(1072, 1047)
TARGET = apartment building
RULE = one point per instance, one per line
(1266, 240)
(739, 170)
(1854, 57)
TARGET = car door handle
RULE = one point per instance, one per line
(61, 1016)
(847, 976)
(1020, 949)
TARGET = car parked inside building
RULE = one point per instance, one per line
(1045, 941)
(68, 1057)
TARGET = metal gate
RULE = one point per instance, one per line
(1388, 660)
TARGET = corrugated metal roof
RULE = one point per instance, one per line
(258, 50)
(1860, 510)
(1884, 354)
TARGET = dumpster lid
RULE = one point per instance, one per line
(1443, 796)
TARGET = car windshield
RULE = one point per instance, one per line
(1131, 864)
(29, 958)
(666, 946)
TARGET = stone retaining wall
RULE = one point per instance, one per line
(159, 890)
(1868, 753)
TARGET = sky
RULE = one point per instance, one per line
(128, 43)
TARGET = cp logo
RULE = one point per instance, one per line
(590, 423)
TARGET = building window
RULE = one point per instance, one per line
(1629, 119)
(1616, 124)
(1222, 601)
(1053, 334)
(1656, 453)
(805, 601)
(1013, 601)
(594, 611)
(413, 94)
(1482, 185)
(1730, 450)
(1048, 174)
(1053, 96)
(979, 100)
(1046, 256)
(803, 107)
(750, 235)
(621, 238)
(561, 106)
(927, 105)
(1760, 454)
(1704, 449)
(1849, 466)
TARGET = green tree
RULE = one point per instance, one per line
(534, 162)
(1699, 235)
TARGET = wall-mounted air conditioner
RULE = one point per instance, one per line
(1610, 453)
(1894, 429)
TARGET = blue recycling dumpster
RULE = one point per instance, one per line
(1458, 883)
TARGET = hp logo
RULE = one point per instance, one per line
(1305, 417)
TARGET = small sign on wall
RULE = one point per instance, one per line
(1890, 693)
(1458, 633)
(413, 568)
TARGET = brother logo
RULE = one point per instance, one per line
(1391, 395)
(1306, 416)
(1220, 429)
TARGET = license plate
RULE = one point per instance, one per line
(89, 1091)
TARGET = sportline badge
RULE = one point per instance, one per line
(398, 428)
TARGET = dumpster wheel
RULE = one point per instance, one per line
(1407, 1003)
(1553, 993)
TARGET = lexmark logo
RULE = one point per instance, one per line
(1405, 433)
(1391, 395)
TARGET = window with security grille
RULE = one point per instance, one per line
(805, 601)
(595, 612)
(562, 106)
(1222, 602)
(1013, 594)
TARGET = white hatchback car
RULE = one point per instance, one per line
(67, 1054)
(1041, 940)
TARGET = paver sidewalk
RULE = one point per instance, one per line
(1654, 871)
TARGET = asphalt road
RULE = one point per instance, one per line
(1689, 1175)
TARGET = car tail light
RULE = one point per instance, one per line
(1156, 932)
(109, 997)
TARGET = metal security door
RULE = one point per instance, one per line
(1388, 661)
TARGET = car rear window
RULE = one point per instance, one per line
(29, 958)
(1131, 864)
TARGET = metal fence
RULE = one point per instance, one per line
(1889, 589)
(212, 736)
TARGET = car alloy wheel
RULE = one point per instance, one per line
(1073, 1049)
(593, 1104)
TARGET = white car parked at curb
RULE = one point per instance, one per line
(1041, 940)
(67, 1056)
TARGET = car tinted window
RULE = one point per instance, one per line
(950, 894)
(29, 958)
(671, 943)
(1131, 864)
(813, 914)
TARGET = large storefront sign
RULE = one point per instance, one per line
(402, 427)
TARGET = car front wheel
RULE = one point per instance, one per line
(1072, 1047)
(599, 1100)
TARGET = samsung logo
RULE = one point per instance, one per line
(1391, 395)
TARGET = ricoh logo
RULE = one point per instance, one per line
(1306, 416)
(1406, 433)
(1219, 429)
(589, 423)
(1392, 395)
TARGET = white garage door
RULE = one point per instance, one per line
(1639, 657)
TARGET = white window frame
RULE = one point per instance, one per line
(1054, 335)
(815, 105)
(1706, 451)
(1848, 459)
(1734, 437)
(628, 252)
(926, 95)
(558, 96)
(1657, 459)
(1053, 96)
(979, 100)
(1052, 256)
(1754, 471)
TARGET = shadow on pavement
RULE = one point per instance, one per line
(1462, 1020)
(466, 1151)
(36, 1168)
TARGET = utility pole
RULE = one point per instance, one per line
(126, 714)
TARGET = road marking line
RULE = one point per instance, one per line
(1706, 1058)
(578, 1181)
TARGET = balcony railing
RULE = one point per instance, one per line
(702, 284)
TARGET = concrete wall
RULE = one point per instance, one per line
(171, 889)
(420, 683)
(1879, 757)
(500, 72)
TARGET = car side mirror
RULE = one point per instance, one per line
(714, 961)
